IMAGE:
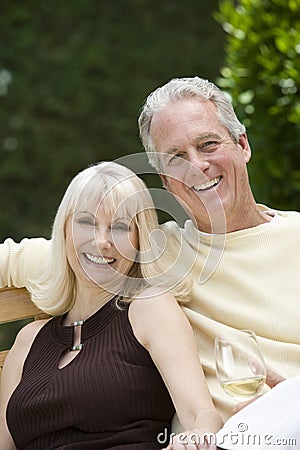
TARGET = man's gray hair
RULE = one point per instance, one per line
(181, 89)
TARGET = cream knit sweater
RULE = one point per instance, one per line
(250, 280)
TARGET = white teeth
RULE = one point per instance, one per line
(208, 184)
(99, 259)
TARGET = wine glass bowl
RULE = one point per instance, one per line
(240, 366)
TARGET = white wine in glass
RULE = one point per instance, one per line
(240, 365)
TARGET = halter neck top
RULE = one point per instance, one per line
(110, 396)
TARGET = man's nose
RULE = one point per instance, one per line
(197, 161)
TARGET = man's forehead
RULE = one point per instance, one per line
(185, 110)
(182, 120)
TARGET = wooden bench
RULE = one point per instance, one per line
(15, 305)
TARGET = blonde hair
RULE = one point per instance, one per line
(111, 184)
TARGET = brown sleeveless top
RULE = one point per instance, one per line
(110, 396)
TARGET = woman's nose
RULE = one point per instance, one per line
(103, 238)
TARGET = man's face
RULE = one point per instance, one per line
(202, 162)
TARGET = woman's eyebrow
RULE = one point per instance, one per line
(84, 212)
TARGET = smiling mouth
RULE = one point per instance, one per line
(206, 186)
(100, 260)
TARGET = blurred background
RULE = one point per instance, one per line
(74, 74)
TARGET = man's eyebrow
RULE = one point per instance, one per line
(172, 150)
(202, 137)
(198, 139)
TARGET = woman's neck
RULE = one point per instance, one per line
(87, 301)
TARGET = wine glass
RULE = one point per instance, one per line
(240, 366)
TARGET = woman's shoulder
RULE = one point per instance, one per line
(158, 322)
(27, 334)
(152, 310)
(17, 355)
(153, 299)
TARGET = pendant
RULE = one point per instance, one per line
(77, 345)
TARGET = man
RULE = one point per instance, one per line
(200, 149)
(243, 257)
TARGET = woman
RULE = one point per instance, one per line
(118, 358)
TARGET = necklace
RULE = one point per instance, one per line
(77, 328)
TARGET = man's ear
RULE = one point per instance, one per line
(164, 180)
(246, 149)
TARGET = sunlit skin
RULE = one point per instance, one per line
(204, 167)
(99, 248)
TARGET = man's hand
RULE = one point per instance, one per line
(272, 379)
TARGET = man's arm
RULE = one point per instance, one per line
(23, 262)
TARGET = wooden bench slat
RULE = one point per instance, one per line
(2, 358)
(15, 305)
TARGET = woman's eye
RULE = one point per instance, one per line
(84, 221)
(120, 227)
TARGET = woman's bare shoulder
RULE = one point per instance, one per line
(154, 299)
(13, 365)
(27, 334)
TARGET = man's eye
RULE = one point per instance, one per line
(176, 159)
(209, 145)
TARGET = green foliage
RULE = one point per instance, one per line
(262, 74)
(73, 75)
(8, 332)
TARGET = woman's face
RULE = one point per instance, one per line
(101, 247)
